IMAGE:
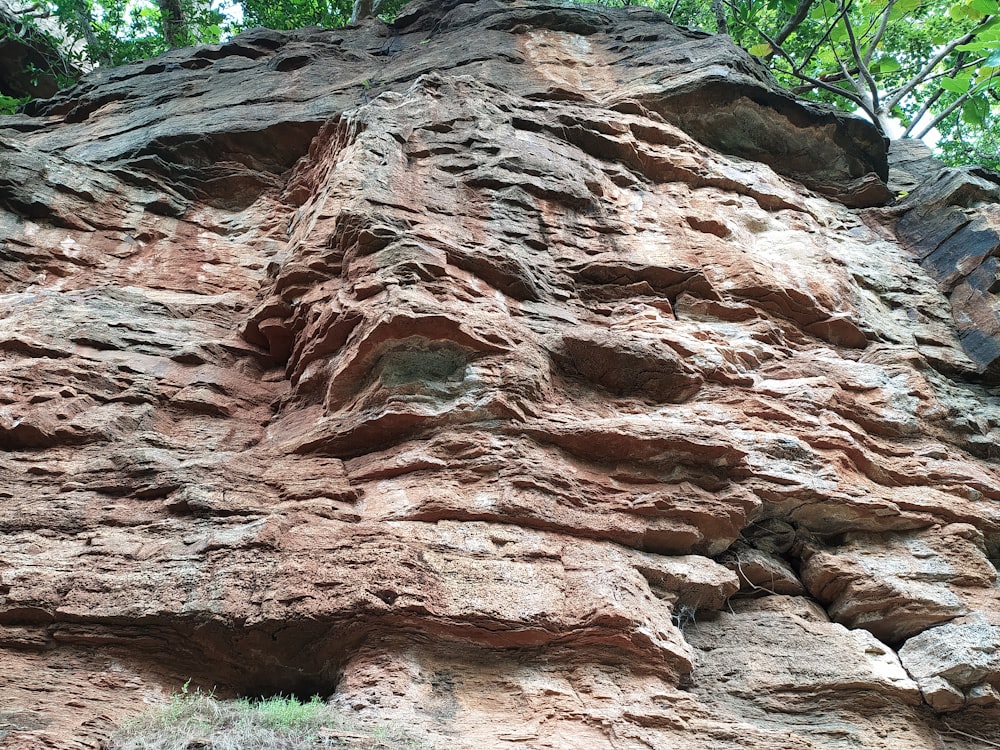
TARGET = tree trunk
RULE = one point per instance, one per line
(365, 9)
(721, 24)
(85, 24)
(173, 23)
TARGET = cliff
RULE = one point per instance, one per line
(533, 376)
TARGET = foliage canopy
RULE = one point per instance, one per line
(914, 67)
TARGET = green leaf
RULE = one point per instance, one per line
(986, 7)
(9, 104)
(888, 65)
(985, 81)
(975, 110)
(839, 33)
(824, 10)
(958, 12)
(976, 46)
(760, 50)
(954, 85)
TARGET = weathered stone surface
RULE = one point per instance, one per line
(952, 225)
(480, 370)
(911, 164)
(756, 648)
(956, 663)
(762, 572)
(897, 586)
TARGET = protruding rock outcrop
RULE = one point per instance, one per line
(539, 376)
(951, 224)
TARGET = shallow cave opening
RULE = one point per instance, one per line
(224, 682)
(300, 687)
(294, 660)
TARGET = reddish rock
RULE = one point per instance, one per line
(898, 586)
(488, 371)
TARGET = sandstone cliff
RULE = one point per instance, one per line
(536, 376)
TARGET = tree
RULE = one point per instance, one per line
(366, 9)
(911, 66)
(173, 24)
(296, 14)
(34, 61)
(113, 32)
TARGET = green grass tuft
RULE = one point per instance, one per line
(197, 721)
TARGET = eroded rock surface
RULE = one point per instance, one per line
(538, 376)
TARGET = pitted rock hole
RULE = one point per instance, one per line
(423, 368)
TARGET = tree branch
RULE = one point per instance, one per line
(801, 11)
(920, 77)
(983, 740)
(923, 111)
(951, 108)
(819, 43)
(817, 83)
(959, 67)
(883, 25)
(859, 61)
(826, 77)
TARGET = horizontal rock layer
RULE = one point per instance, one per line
(537, 376)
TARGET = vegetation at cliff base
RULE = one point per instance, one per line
(922, 68)
(197, 721)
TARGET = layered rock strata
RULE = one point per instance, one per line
(537, 376)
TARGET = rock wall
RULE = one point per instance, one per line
(536, 376)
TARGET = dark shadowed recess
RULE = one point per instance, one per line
(226, 170)
(292, 658)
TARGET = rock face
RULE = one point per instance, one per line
(537, 376)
